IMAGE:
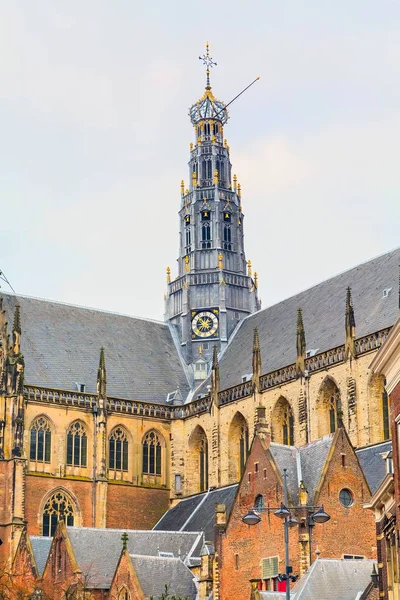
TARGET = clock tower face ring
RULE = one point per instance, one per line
(205, 324)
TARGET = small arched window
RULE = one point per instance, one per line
(58, 506)
(259, 502)
(40, 442)
(152, 454)
(118, 450)
(77, 445)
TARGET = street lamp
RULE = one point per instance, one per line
(284, 513)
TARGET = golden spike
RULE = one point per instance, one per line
(249, 268)
(182, 187)
(215, 181)
(239, 190)
(256, 280)
(168, 275)
(235, 182)
(220, 261)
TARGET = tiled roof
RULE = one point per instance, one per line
(97, 551)
(334, 579)
(155, 572)
(323, 314)
(40, 547)
(61, 344)
(197, 513)
(373, 463)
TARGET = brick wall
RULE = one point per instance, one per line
(135, 507)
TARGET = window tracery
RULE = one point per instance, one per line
(40, 440)
(58, 506)
(118, 450)
(152, 454)
(288, 426)
(77, 445)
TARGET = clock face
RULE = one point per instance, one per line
(205, 324)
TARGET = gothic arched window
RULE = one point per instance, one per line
(328, 405)
(227, 237)
(58, 506)
(385, 415)
(288, 427)
(333, 413)
(40, 442)
(203, 463)
(243, 447)
(77, 445)
(206, 234)
(118, 450)
(152, 453)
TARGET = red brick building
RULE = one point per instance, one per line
(385, 502)
(325, 472)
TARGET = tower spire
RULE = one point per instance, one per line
(101, 377)
(300, 344)
(350, 327)
(256, 359)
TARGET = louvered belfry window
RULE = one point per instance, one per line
(270, 567)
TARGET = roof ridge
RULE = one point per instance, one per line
(101, 529)
(307, 289)
(82, 307)
(175, 558)
(369, 446)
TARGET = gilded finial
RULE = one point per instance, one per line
(225, 143)
(208, 63)
(239, 190)
(194, 179)
(182, 187)
(200, 350)
(220, 261)
(213, 139)
(215, 181)
(191, 147)
(199, 141)
(187, 266)
(256, 280)
(249, 268)
(124, 538)
(186, 192)
(235, 182)
(168, 275)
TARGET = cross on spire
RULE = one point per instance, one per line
(208, 62)
(124, 538)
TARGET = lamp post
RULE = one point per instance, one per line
(283, 512)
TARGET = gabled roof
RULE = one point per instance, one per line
(373, 463)
(40, 548)
(323, 309)
(197, 513)
(155, 572)
(97, 551)
(61, 344)
(334, 579)
(304, 463)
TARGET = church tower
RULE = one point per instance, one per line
(214, 289)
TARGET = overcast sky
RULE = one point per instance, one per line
(95, 137)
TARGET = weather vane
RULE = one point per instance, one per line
(208, 62)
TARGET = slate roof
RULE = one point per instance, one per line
(304, 463)
(323, 315)
(61, 344)
(97, 551)
(40, 547)
(373, 463)
(334, 579)
(197, 513)
(155, 572)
